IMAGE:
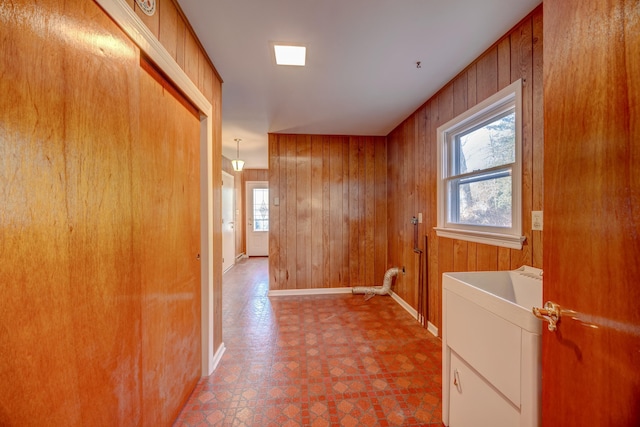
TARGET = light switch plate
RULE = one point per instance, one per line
(536, 220)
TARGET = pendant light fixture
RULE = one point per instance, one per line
(237, 163)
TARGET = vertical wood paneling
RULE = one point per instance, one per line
(168, 30)
(326, 209)
(181, 42)
(354, 202)
(104, 328)
(303, 211)
(504, 63)
(538, 135)
(191, 55)
(281, 243)
(487, 75)
(274, 211)
(516, 55)
(368, 221)
(522, 68)
(291, 230)
(381, 209)
(329, 235)
(433, 286)
(317, 232)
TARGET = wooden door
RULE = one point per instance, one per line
(591, 364)
(169, 207)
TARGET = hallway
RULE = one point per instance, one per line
(329, 360)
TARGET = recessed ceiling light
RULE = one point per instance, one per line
(290, 55)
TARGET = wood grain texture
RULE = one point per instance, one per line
(99, 227)
(326, 224)
(168, 29)
(516, 55)
(167, 172)
(57, 245)
(592, 205)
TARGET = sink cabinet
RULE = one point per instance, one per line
(491, 361)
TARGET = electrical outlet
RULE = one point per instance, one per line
(536, 220)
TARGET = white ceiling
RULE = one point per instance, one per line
(361, 76)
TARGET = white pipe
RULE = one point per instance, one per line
(378, 290)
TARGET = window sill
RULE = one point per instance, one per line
(496, 239)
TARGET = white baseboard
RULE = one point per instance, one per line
(432, 328)
(217, 357)
(314, 291)
(414, 313)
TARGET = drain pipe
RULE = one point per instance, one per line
(378, 290)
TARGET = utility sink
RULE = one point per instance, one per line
(491, 348)
(508, 294)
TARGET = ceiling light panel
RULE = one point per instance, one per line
(290, 55)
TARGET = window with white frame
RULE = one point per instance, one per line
(260, 209)
(479, 172)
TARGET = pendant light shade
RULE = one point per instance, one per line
(237, 163)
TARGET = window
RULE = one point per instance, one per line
(260, 209)
(479, 172)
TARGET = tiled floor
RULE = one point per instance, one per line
(334, 360)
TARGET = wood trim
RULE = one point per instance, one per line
(159, 77)
(131, 24)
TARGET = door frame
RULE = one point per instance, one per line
(227, 175)
(125, 17)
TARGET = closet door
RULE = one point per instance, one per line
(167, 170)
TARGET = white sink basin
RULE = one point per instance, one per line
(508, 294)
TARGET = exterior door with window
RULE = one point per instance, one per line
(257, 214)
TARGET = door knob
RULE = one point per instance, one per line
(551, 312)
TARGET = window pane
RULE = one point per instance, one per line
(260, 209)
(485, 146)
(482, 202)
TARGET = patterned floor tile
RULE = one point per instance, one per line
(319, 361)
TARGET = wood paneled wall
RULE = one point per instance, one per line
(172, 29)
(99, 225)
(413, 166)
(330, 227)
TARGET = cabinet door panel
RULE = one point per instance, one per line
(474, 402)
